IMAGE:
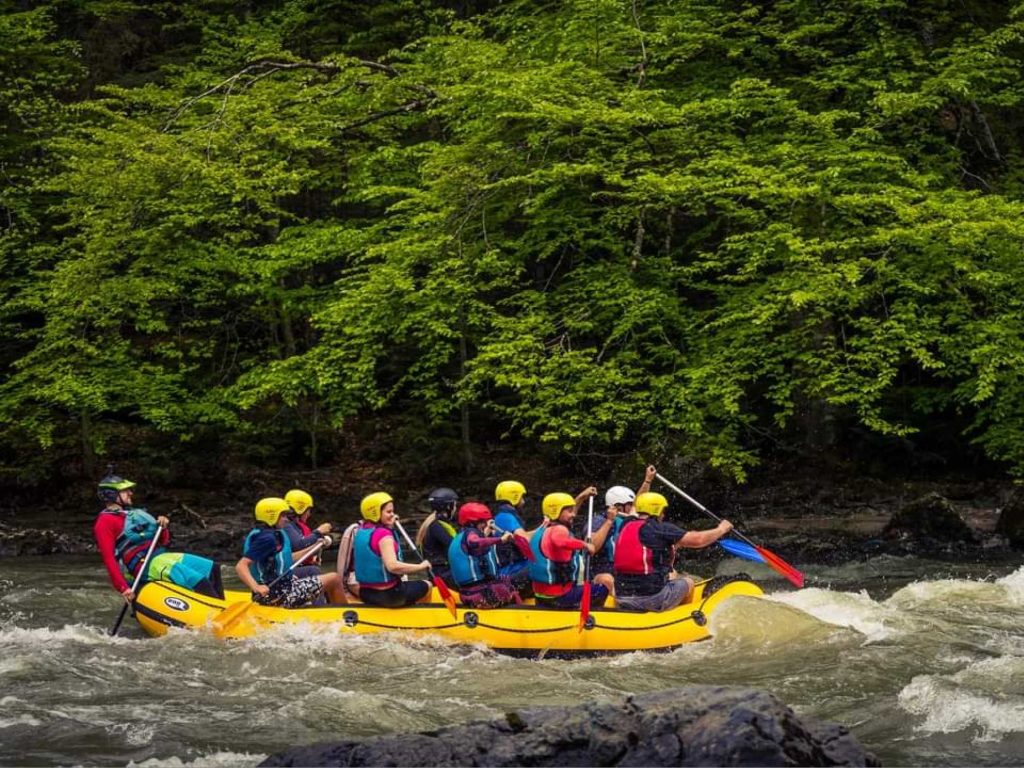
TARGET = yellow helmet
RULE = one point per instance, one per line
(511, 491)
(298, 500)
(554, 503)
(269, 510)
(651, 504)
(370, 506)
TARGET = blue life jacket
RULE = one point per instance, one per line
(370, 570)
(544, 570)
(131, 546)
(607, 553)
(467, 569)
(507, 553)
(268, 569)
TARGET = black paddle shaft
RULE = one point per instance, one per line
(137, 581)
(703, 509)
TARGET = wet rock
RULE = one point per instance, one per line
(698, 725)
(42, 541)
(933, 517)
(1011, 520)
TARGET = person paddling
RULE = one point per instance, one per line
(267, 558)
(123, 533)
(437, 531)
(557, 563)
(301, 536)
(377, 556)
(474, 562)
(644, 577)
(620, 499)
(510, 496)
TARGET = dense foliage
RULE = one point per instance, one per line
(672, 226)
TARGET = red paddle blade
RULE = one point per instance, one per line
(584, 607)
(782, 567)
(446, 595)
(524, 547)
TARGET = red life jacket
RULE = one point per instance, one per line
(630, 555)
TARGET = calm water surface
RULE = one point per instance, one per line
(924, 661)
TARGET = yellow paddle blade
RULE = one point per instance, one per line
(229, 617)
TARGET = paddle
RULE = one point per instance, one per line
(585, 600)
(773, 560)
(137, 581)
(521, 543)
(231, 615)
(740, 549)
(442, 588)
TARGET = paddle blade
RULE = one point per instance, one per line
(781, 566)
(446, 596)
(740, 549)
(523, 545)
(229, 617)
(584, 607)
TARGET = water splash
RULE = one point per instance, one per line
(987, 696)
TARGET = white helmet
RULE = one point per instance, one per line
(618, 494)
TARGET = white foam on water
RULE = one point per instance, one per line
(19, 720)
(987, 695)
(11, 664)
(923, 595)
(1014, 586)
(39, 637)
(136, 734)
(212, 760)
(851, 610)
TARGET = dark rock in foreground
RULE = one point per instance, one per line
(698, 725)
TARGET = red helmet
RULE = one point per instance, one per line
(473, 512)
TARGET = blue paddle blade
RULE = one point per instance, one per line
(740, 549)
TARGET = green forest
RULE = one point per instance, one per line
(272, 231)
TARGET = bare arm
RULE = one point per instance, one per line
(583, 495)
(242, 569)
(649, 474)
(601, 534)
(701, 539)
(396, 566)
(298, 555)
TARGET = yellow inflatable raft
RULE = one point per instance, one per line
(521, 630)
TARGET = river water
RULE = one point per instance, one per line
(924, 661)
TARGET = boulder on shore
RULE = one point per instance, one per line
(698, 725)
(1011, 520)
(932, 516)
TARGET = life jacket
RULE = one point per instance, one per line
(507, 553)
(467, 569)
(607, 552)
(631, 556)
(131, 546)
(370, 570)
(544, 570)
(428, 548)
(421, 534)
(270, 568)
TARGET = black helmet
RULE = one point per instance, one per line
(443, 500)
